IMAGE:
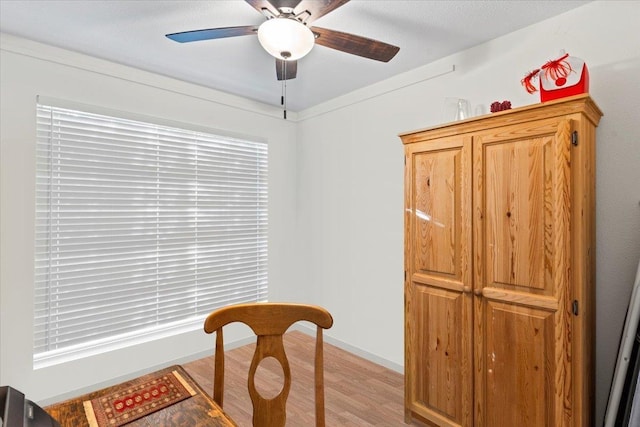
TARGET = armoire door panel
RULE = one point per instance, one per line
(516, 185)
(518, 381)
(516, 194)
(437, 200)
(440, 387)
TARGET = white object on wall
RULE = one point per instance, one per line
(624, 356)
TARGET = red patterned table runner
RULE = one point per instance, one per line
(137, 400)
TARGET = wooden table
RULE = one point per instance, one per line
(197, 411)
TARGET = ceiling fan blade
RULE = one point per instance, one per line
(286, 73)
(213, 33)
(317, 8)
(356, 45)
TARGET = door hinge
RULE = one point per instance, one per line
(405, 275)
(574, 307)
(574, 137)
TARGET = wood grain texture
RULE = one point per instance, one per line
(517, 389)
(269, 321)
(198, 411)
(583, 169)
(438, 290)
(436, 223)
(561, 273)
(581, 105)
(442, 373)
(532, 259)
(522, 189)
(408, 272)
(514, 187)
(357, 391)
(355, 45)
(514, 201)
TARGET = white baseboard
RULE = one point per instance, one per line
(352, 349)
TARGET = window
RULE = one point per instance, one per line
(141, 230)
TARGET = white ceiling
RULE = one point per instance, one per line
(132, 33)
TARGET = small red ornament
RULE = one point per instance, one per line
(527, 81)
(500, 106)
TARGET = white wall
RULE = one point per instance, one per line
(336, 175)
(350, 173)
(29, 69)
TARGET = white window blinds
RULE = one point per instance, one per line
(141, 229)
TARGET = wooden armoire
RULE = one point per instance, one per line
(500, 268)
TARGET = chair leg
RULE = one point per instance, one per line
(319, 379)
(218, 376)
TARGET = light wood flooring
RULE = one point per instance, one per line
(357, 391)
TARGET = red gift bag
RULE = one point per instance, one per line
(559, 78)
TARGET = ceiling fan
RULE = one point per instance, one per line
(287, 36)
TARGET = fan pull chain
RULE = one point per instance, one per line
(283, 97)
(282, 70)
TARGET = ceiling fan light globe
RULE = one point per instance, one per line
(286, 38)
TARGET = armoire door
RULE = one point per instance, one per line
(438, 293)
(522, 258)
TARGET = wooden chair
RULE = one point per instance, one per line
(269, 321)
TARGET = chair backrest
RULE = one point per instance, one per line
(269, 321)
